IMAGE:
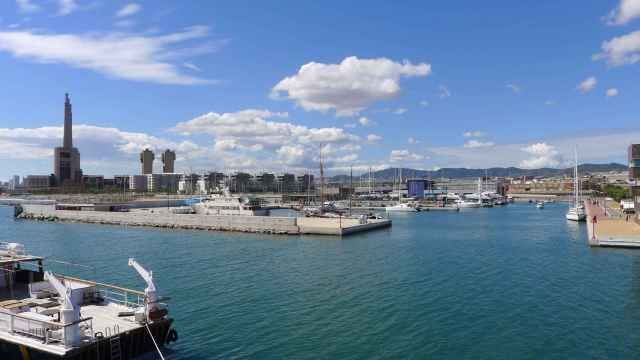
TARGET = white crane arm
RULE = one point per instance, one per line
(61, 289)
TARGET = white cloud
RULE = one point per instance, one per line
(411, 140)
(373, 138)
(130, 57)
(27, 6)
(477, 144)
(474, 133)
(515, 88)
(128, 10)
(587, 85)
(622, 50)
(404, 155)
(400, 111)
(444, 92)
(612, 92)
(424, 103)
(191, 66)
(626, 11)
(365, 121)
(550, 102)
(66, 7)
(348, 87)
(543, 155)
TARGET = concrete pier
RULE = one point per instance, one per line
(159, 217)
(607, 227)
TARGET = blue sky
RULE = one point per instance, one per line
(260, 85)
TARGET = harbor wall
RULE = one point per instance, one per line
(266, 224)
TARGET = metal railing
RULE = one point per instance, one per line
(46, 331)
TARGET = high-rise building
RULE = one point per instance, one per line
(146, 159)
(168, 160)
(66, 166)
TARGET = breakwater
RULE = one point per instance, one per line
(166, 219)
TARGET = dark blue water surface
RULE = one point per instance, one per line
(512, 283)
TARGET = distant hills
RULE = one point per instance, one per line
(455, 173)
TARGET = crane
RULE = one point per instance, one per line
(70, 311)
(152, 309)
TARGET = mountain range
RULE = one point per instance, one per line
(455, 173)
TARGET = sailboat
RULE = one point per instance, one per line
(576, 212)
(400, 206)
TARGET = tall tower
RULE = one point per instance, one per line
(168, 160)
(66, 166)
(67, 141)
(146, 159)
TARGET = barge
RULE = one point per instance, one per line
(46, 315)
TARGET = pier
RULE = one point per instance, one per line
(608, 227)
(164, 218)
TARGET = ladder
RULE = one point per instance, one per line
(116, 352)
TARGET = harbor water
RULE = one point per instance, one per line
(513, 282)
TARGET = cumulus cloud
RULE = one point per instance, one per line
(471, 144)
(27, 6)
(130, 57)
(128, 10)
(474, 133)
(348, 87)
(587, 85)
(411, 140)
(612, 92)
(543, 155)
(373, 138)
(365, 121)
(66, 7)
(404, 155)
(622, 50)
(626, 11)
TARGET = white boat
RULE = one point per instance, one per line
(577, 211)
(402, 207)
(461, 203)
(46, 315)
(227, 204)
(540, 205)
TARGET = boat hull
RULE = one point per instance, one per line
(134, 345)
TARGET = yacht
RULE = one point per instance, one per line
(401, 207)
(577, 211)
(540, 204)
(462, 203)
(46, 315)
(227, 204)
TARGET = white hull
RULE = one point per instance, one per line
(576, 215)
(400, 208)
(203, 210)
(466, 204)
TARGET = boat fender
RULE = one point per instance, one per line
(172, 336)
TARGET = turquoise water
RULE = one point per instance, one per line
(513, 283)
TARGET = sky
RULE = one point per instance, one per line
(264, 86)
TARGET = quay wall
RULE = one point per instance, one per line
(259, 224)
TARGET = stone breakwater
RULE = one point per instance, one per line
(166, 219)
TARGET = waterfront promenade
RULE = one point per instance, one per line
(607, 226)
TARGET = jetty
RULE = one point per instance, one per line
(608, 227)
(166, 218)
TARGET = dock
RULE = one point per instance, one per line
(608, 227)
(164, 218)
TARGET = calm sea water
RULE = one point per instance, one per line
(512, 283)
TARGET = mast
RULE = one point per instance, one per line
(576, 183)
(321, 180)
(351, 186)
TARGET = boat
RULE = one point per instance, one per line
(47, 315)
(577, 211)
(462, 203)
(227, 204)
(401, 207)
(540, 204)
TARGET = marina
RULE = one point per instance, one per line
(431, 279)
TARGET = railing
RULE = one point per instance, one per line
(46, 331)
(123, 296)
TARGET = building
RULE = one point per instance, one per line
(14, 183)
(168, 161)
(66, 158)
(416, 188)
(163, 182)
(146, 160)
(634, 173)
(138, 183)
(38, 182)
(93, 182)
